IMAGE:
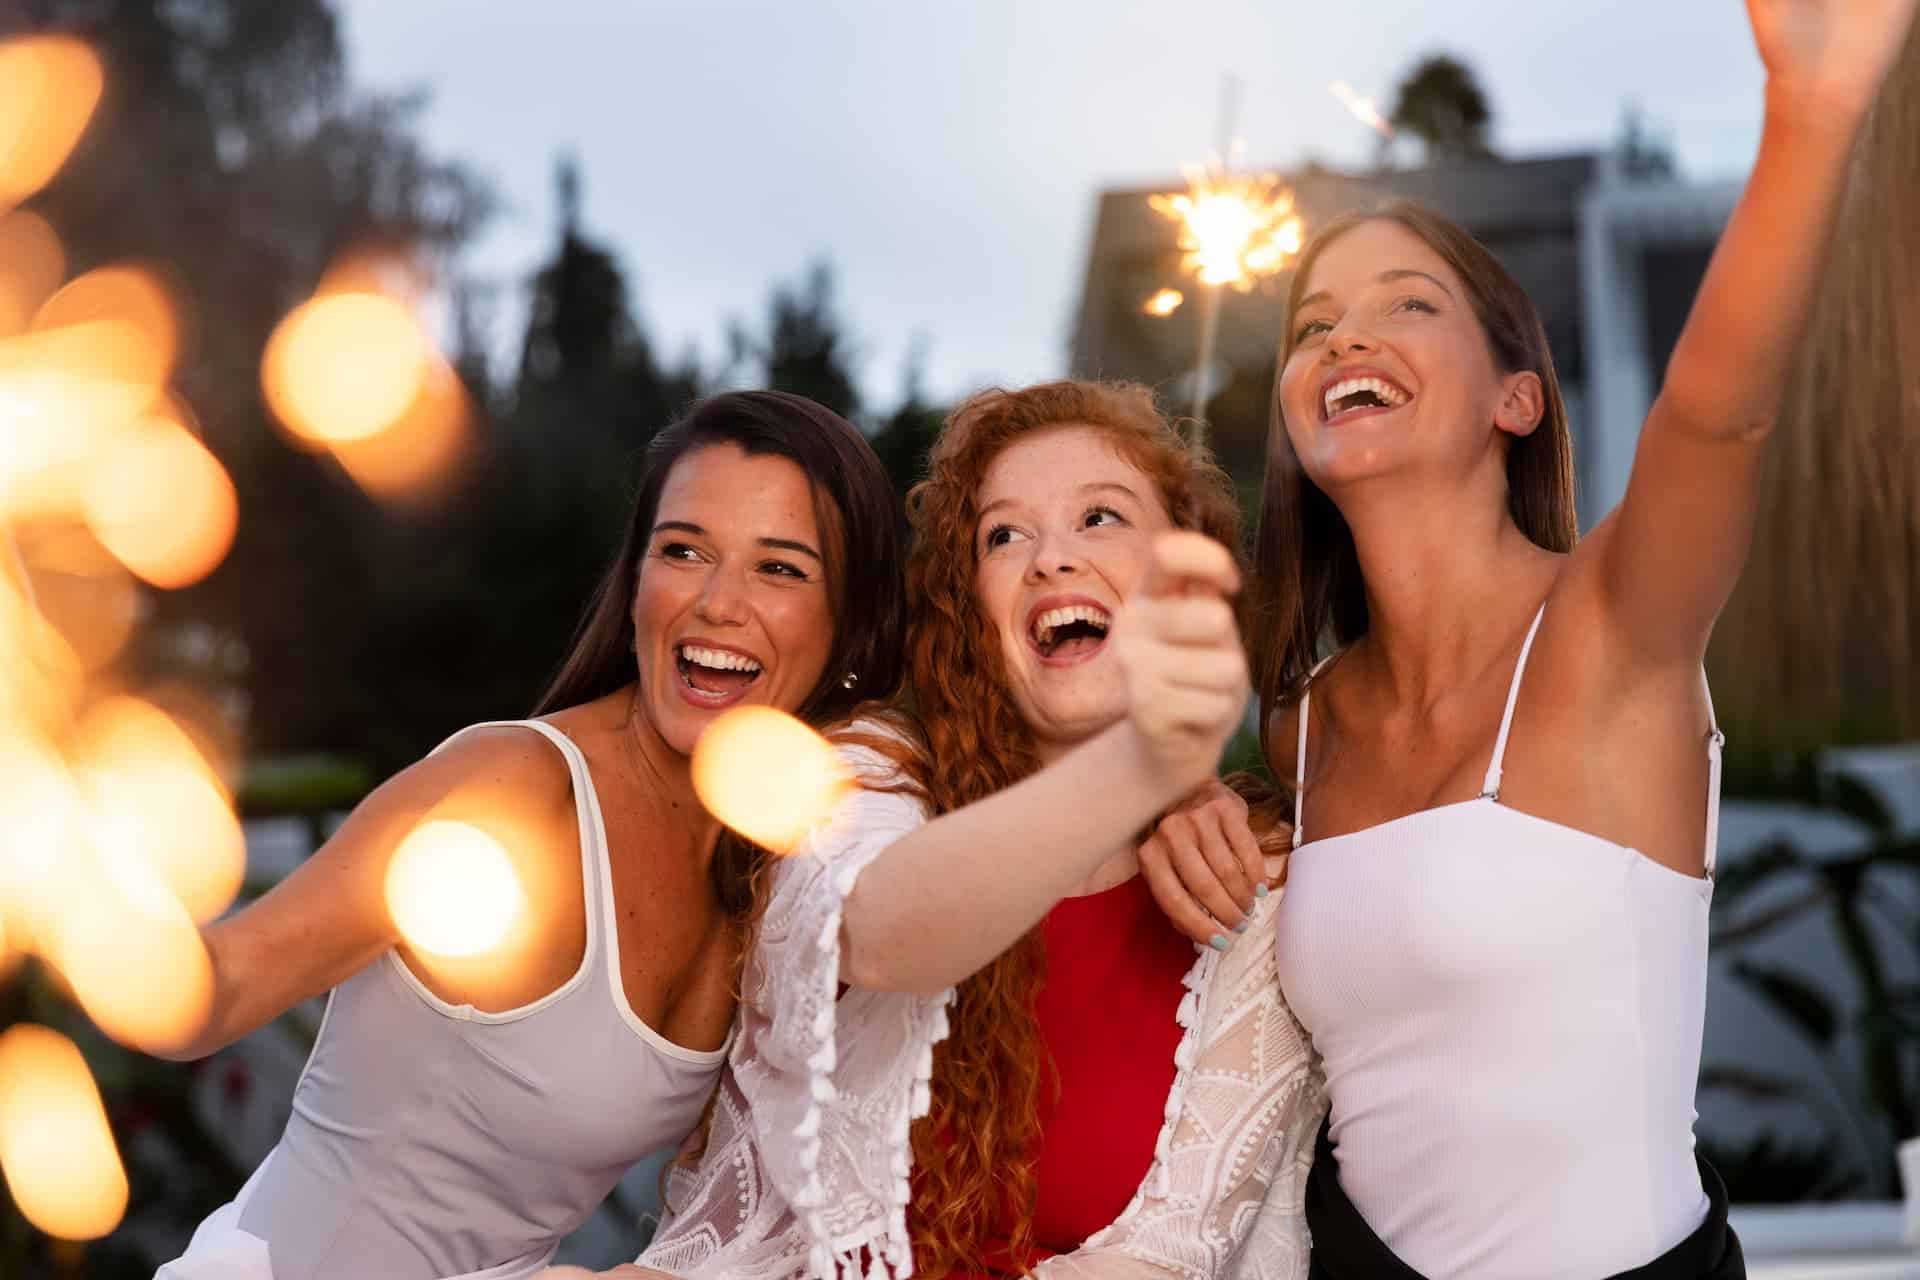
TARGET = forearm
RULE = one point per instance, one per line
(943, 901)
(1730, 366)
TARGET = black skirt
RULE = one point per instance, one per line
(1345, 1247)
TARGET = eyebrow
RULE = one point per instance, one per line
(1091, 486)
(780, 544)
(1385, 277)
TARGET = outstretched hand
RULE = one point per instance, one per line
(1829, 55)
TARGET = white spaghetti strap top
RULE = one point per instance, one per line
(1509, 1012)
(432, 1140)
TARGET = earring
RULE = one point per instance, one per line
(849, 680)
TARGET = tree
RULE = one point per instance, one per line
(804, 350)
(1441, 103)
(907, 434)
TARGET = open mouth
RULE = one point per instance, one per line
(1070, 631)
(718, 675)
(1351, 396)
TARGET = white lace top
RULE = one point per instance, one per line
(805, 1171)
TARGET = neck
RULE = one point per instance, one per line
(1444, 567)
(665, 778)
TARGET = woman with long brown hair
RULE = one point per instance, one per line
(1097, 1100)
(1504, 758)
(460, 1116)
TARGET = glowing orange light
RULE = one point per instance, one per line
(82, 592)
(1163, 303)
(1365, 110)
(162, 504)
(133, 297)
(49, 86)
(44, 829)
(452, 890)
(344, 367)
(768, 776)
(151, 795)
(58, 1153)
(31, 267)
(131, 952)
(420, 447)
(1234, 228)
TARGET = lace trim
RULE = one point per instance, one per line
(889, 1251)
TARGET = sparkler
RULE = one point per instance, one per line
(1235, 230)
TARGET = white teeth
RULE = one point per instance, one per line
(1045, 625)
(718, 659)
(1389, 394)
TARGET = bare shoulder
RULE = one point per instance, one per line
(508, 764)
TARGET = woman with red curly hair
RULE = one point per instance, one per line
(1091, 1096)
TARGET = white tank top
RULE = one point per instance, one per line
(431, 1140)
(1509, 1014)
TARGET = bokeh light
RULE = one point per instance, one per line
(150, 794)
(768, 776)
(452, 890)
(32, 264)
(344, 367)
(49, 86)
(55, 1147)
(161, 503)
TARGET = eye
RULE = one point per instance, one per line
(681, 551)
(784, 569)
(1097, 517)
(1310, 329)
(1416, 304)
(998, 536)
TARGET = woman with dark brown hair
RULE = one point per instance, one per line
(1097, 1100)
(1504, 757)
(460, 1115)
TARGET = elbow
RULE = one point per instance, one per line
(869, 963)
(1701, 403)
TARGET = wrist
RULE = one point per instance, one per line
(1812, 112)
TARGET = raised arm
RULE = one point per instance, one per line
(1669, 557)
(943, 901)
(329, 918)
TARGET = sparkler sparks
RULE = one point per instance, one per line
(1235, 229)
(1163, 303)
(1365, 110)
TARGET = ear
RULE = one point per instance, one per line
(1523, 402)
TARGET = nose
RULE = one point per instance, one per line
(1053, 557)
(723, 600)
(1347, 339)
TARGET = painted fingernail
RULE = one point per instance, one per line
(1242, 926)
(1219, 942)
(1260, 891)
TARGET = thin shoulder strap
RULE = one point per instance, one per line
(586, 808)
(1716, 743)
(1300, 751)
(1490, 790)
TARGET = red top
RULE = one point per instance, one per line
(1107, 1012)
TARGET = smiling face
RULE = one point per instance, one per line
(732, 603)
(1390, 369)
(1065, 531)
